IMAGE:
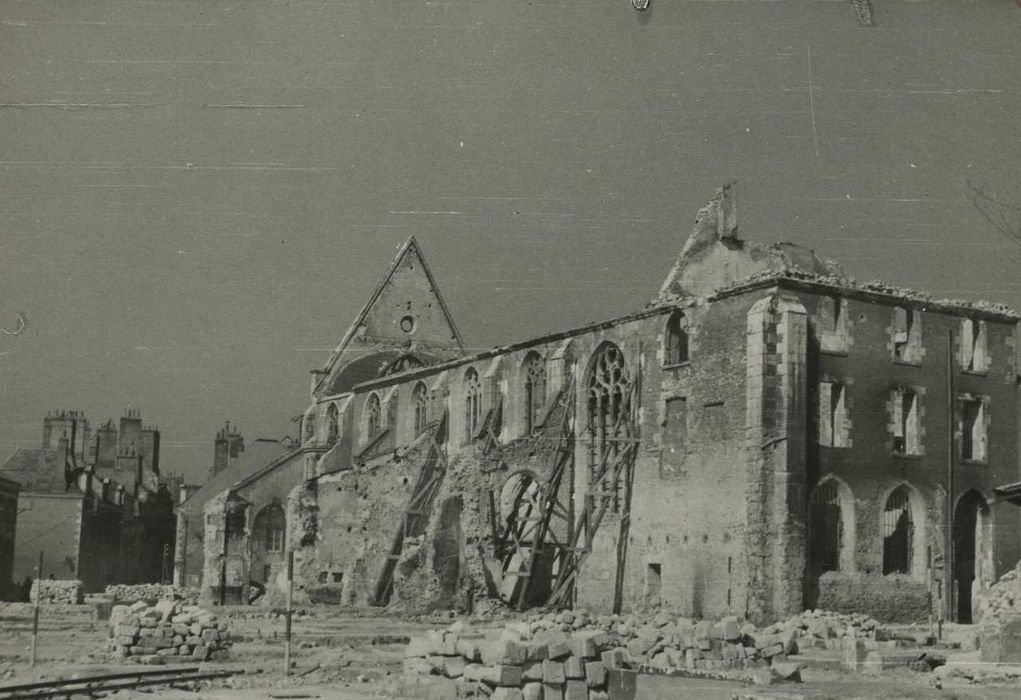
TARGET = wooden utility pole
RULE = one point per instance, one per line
(287, 615)
(35, 610)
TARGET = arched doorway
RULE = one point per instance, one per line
(971, 550)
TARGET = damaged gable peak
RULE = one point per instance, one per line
(405, 312)
(715, 257)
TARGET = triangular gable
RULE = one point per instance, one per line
(405, 308)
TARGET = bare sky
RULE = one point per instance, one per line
(196, 197)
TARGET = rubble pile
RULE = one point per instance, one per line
(59, 592)
(1003, 598)
(149, 592)
(167, 632)
(547, 655)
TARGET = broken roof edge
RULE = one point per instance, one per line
(875, 290)
(653, 309)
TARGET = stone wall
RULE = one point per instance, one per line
(60, 592)
(893, 598)
(167, 632)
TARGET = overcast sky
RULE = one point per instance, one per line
(197, 197)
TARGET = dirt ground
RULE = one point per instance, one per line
(347, 655)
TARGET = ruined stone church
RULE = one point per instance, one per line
(764, 436)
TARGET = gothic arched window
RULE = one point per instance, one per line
(420, 399)
(373, 416)
(898, 532)
(826, 535)
(609, 423)
(472, 402)
(332, 423)
(676, 340)
(534, 370)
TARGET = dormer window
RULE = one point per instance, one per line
(675, 341)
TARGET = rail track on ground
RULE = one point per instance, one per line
(97, 686)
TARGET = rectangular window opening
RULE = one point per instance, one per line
(653, 583)
(974, 353)
(833, 428)
(973, 430)
(906, 439)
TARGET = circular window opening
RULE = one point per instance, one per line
(408, 324)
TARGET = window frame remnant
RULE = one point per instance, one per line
(898, 532)
(534, 371)
(420, 400)
(906, 333)
(472, 402)
(907, 423)
(832, 327)
(607, 388)
(974, 346)
(833, 414)
(271, 528)
(973, 439)
(676, 341)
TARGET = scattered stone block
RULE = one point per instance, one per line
(532, 691)
(614, 658)
(553, 672)
(557, 649)
(595, 674)
(576, 690)
(500, 675)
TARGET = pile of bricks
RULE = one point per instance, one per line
(568, 654)
(167, 632)
(60, 592)
(124, 593)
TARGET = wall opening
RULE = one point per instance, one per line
(833, 429)
(973, 430)
(472, 403)
(535, 390)
(420, 399)
(675, 342)
(972, 550)
(898, 531)
(653, 584)
(906, 433)
(608, 388)
(447, 554)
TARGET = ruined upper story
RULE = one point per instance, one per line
(717, 278)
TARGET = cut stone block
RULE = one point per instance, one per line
(553, 672)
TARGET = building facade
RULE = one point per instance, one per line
(766, 435)
(92, 503)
